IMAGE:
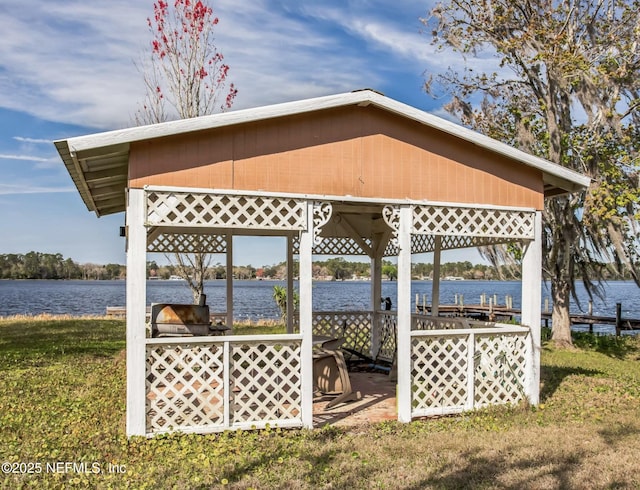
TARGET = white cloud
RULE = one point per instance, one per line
(38, 141)
(23, 157)
(6, 189)
(73, 61)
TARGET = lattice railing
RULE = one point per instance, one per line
(463, 369)
(208, 384)
(423, 322)
(353, 326)
(185, 386)
(202, 209)
(439, 372)
(266, 381)
(500, 369)
(387, 336)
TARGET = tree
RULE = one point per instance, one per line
(185, 69)
(338, 268)
(186, 72)
(567, 90)
(390, 270)
(280, 297)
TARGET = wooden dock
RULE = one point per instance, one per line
(504, 313)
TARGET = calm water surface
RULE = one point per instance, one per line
(253, 299)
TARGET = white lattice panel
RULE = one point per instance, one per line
(422, 322)
(468, 369)
(188, 243)
(473, 221)
(500, 369)
(185, 387)
(388, 337)
(422, 243)
(426, 243)
(391, 250)
(439, 373)
(339, 246)
(266, 382)
(225, 211)
(452, 242)
(353, 326)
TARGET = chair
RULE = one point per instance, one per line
(330, 373)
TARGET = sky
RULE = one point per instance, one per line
(68, 68)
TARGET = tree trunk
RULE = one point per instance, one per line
(561, 323)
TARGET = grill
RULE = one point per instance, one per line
(177, 319)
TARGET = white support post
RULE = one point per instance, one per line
(306, 318)
(435, 285)
(376, 295)
(229, 280)
(404, 315)
(531, 304)
(376, 283)
(290, 292)
(136, 298)
(471, 372)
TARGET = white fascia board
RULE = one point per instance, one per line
(182, 126)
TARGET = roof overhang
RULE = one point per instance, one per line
(98, 163)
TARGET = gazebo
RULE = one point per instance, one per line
(349, 174)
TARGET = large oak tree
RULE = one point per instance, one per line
(564, 86)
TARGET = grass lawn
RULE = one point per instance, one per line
(62, 415)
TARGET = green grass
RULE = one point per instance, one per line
(63, 400)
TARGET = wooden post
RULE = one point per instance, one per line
(290, 291)
(403, 341)
(531, 299)
(618, 318)
(306, 318)
(229, 281)
(136, 294)
(435, 285)
(376, 295)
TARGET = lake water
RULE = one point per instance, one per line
(253, 299)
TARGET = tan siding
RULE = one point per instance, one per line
(364, 152)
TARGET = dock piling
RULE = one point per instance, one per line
(618, 318)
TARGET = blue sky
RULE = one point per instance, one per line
(67, 69)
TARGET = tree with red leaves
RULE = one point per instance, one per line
(185, 71)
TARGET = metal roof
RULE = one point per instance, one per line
(98, 163)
